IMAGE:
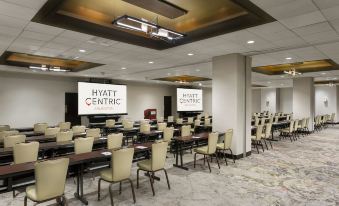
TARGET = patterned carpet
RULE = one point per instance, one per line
(305, 172)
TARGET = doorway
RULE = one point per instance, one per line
(71, 109)
(167, 106)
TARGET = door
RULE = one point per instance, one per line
(167, 106)
(71, 109)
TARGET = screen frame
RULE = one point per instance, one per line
(202, 103)
(103, 114)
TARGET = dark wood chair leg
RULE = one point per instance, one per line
(208, 163)
(99, 188)
(195, 159)
(224, 153)
(271, 144)
(216, 157)
(256, 145)
(232, 155)
(111, 194)
(120, 185)
(25, 201)
(151, 181)
(138, 178)
(266, 144)
(132, 187)
(168, 184)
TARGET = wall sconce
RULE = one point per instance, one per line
(326, 101)
(267, 102)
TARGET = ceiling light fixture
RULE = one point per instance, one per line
(123, 68)
(150, 62)
(190, 54)
(323, 73)
(149, 28)
(200, 84)
(288, 58)
(292, 72)
(250, 42)
(82, 50)
(50, 68)
(331, 84)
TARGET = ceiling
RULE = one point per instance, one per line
(305, 30)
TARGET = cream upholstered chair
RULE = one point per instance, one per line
(256, 121)
(52, 131)
(120, 170)
(128, 125)
(267, 135)
(156, 163)
(110, 123)
(199, 117)
(40, 127)
(179, 121)
(271, 119)
(4, 134)
(160, 119)
(288, 132)
(276, 119)
(83, 145)
(168, 134)
(256, 140)
(186, 130)
(295, 129)
(226, 144)
(78, 129)
(50, 179)
(10, 141)
(197, 123)
(64, 125)
(170, 119)
(206, 115)
(64, 136)
(114, 141)
(162, 126)
(144, 128)
(207, 122)
(4, 128)
(95, 133)
(25, 152)
(209, 150)
(263, 121)
(190, 120)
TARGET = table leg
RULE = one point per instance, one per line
(79, 194)
(177, 148)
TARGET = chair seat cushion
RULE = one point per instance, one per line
(253, 137)
(107, 175)
(285, 130)
(31, 193)
(145, 165)
(201, 150)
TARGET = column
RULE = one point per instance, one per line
(232, 98)
(303, 99)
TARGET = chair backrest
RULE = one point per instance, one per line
(25, 152)
(114, 141)
(197, 122)
(276, 119)
(296, 123)
(256, 121)
(207, 121)
(162, 126)
(170, 119)
(4, 134)
(288, 117)
(303, 123)
(144, 121)
(121, 163)
(52, 131)
(179, 121)
(95, 132)
(40, 127)
(64, 125)
(83, 145)
(110, 123)
(199, 117)
(124, 121)
(206, 115)
(160, 119)
(128, 125)
(228, 139)
(186, 130)
(4, 128)
(259, 132)
(50, 178)
(263, 121)
(145, 128)
(268, 129)
(332, 117)
(212, 142)
(190, 120)
(168, 134)
(64, 136)
(79, 129)
(271, 119)
(159, 151)
(291, 126)
(10, 141)
(307, 122)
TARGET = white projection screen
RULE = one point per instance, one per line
(96, 98)
(189, 100)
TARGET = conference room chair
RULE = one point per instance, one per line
(144, 121)
(186, 130)
(162, 126)
(256, 121)
(114, 141)
(50, 180)
(190, 120)
(256, 140)
(40, 127)
(295, 129)
(199, 117)
(144, 128)
(271, 120)
(207, 122)
(209, 150)
(330, 121)
(4, 134)
(160, 119)
(155, 164)
(306, 125)
(170, 119)
(52, 131)
(120, 171)
(168, 136)
(78, 129)
(10, 141)
(226, 145)
(64, 136)
(267, 135)
(197, 123)
(263, 121)
(83, 145)
(288, 117)
(276, 119)
(206, 115)
(4, 128)
(179, 121)
(110, 123)
(301, 127)
(64, 125)
(94, 132)
(288, 132)
(128, 125)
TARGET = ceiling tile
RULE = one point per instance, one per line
(331, 13)
(303, 20)
(314, 28)
(321, 37)
(324, 4)
(35, 4)
(44, 29)
(17, 11)
(36, 36)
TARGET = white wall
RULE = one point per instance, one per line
(256, 100)
(207, 100)
(322, 93)
(286, 100)
(270, 95)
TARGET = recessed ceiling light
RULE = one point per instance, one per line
(200, 84)
(190, 54)
(250, 42)
(335, 78)
(288, 58)
(323, 73)
(168, 74)
(123, 68)
(76, 58)
(82, 50)
(150, 62)
(282, 76)
(198, 70)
